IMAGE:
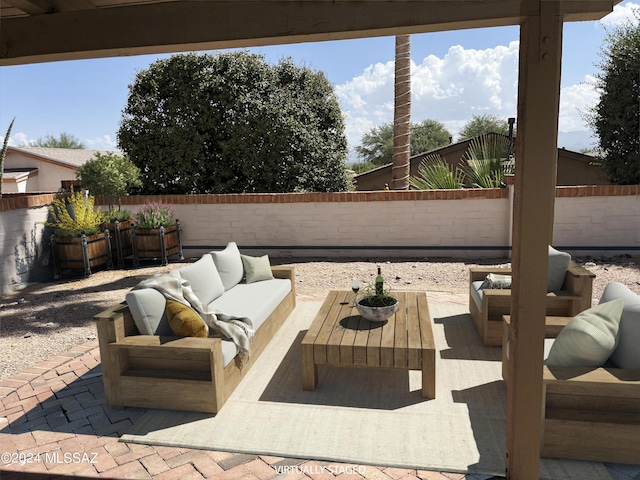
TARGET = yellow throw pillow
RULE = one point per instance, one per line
(185, 321)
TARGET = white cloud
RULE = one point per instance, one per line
(575, 101)
(621, 14)
(19, 139)
(452, 89)
(105, 142)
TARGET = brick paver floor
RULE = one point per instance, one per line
(54, 423)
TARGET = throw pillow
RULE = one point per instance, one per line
(496, 281)
(257, 269)
(229, 265)
(558, 266)
(589, 338)
(185, 321)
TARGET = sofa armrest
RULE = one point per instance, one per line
(480, 273)
(115, 323)
(286, 272)
(601, 381)
(579, 282)
(576, 270)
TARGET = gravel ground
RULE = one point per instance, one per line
(44, 319)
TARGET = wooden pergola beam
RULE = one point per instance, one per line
(153, 28)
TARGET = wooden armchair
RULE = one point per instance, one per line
(573, 298)
(589, 413)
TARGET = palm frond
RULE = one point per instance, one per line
(486, 161)
(434, 173)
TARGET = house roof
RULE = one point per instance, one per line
(442, 151)
(18, 174)
(69, 157)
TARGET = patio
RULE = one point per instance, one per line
(56, 408)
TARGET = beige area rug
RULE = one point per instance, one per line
(364, 416)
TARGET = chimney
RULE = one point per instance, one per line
(511, 121)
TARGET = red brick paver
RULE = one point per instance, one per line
(54, 422)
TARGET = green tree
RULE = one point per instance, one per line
(3, 152)
(377, 145)
(64, 140)
(231, 123)
(483, 124)
(109, 175)
(614, 119)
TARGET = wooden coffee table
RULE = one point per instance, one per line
(340, 337)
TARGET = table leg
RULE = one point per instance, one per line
(429, 374)
(309, 369)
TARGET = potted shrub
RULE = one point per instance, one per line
(112, 176)
(156, 233)
(77, 241)
(119, 224)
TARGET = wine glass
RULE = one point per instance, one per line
(355, 286)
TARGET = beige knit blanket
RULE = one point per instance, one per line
(230, 327)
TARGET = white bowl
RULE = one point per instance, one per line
(376, 314)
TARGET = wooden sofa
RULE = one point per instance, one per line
(574, 297)
(177, 373)
(588, 413)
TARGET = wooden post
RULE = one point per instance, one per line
(535, 178)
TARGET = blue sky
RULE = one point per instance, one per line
(455, 75)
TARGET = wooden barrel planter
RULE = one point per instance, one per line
(157, 243)
(84, 252)
(121, 244)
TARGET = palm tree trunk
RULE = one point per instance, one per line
(400, 170)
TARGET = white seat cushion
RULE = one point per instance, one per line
(255, 301)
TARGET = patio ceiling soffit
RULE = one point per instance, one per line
(34, 31)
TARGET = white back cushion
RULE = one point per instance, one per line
(229, 265)
(147, 306)
(204, 279)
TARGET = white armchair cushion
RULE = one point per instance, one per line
(627, 352)
(558, 266)
(589, 339)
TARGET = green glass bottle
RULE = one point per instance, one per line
(379, 283)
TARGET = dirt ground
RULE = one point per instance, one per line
(44, 319)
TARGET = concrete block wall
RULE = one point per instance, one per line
(600, 220)
(380, 224)
(24, 246)
(596, 220)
